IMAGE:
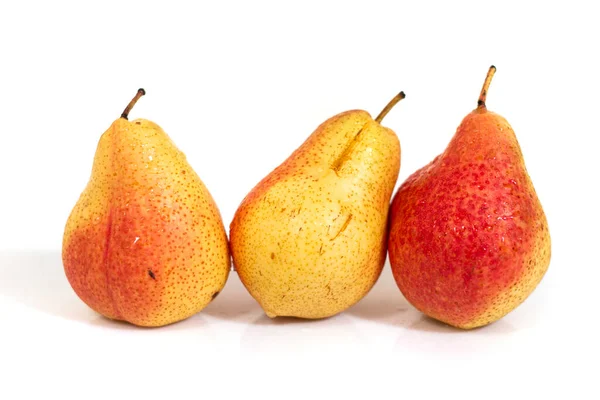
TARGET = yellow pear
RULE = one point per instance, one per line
(145, 243)
(309, 240)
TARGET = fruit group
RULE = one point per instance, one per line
(145, 242)
(310, 239)
(469, 239)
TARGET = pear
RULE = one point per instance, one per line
(145, 242)
(309, 240)
(469, 239)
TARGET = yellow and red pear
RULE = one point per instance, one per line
(469, 239)
(145, 242)
(309, 240)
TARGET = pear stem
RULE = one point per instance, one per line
(139, 94)
(486, 86)
(389, 106)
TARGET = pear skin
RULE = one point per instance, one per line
(469, 240)
(145, 242)
(309, 240)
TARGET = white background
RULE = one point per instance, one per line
(238, 86)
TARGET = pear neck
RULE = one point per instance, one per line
(481, 109)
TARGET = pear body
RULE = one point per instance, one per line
(469, 239)
(309, 240)
(145, 242)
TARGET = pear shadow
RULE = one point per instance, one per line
(234, 303)
(428, 324)
(384, 303)
(107, 323)
(265, 320)
(37, 280)
(195, 321)
(429, 336)
(199, 334)
(304, 337)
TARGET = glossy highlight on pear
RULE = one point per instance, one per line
(145, 242)
(309, 240)
(469, 240)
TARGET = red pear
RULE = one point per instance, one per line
(469, 239)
